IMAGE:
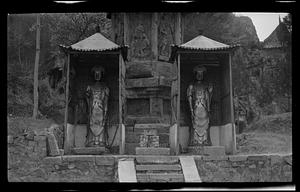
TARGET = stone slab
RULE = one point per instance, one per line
(80, 135)
(215, 135)
(156, 160)
(69, 140)
(158, 167)
(130, 119)
(151, 126)
(85, 158)
(183, 138)
(141, 82)
(129, 129)
(152, 151)
(139, 69)
(154, 177)
(126, 171)
(189, 169)
(226, 137)
(88, 150)
(173, 139)
(53, 149)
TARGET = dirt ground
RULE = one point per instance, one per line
(270, 134)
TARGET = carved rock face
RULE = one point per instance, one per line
(140, 44)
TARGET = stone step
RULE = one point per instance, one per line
(126, 171)
(159, 177)
(189, 169)
(131, 119)
(141, 130)
(207, 150)
(134, 137)
(156, 160)
(158, 167)
(151, 126)
(152, 151)
(130, 148)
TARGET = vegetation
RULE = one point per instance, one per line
(255, 90)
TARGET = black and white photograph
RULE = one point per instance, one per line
(149, 97)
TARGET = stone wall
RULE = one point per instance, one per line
(30, 161)
(80, 168)
(245, 168)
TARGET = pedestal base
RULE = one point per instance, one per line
(88, 150)
(152, 151)
(207, 150)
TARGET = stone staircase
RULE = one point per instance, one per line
(158, 169)
(132, 135)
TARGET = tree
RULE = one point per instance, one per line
(36, 68)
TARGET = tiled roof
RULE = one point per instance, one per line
(96, 42)
(203, 43)
(272, 41)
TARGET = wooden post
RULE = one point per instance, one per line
(154, 29)
(231, 106)
(121, 126)
(36, 69)
(66, 140)
(178, 105)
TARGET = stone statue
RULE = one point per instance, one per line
(199, 96)
(140, 43)
(97, 99)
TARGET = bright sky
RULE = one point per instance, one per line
(264, 23)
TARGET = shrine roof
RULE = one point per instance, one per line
(204, 43)
(201, 43)
(96, 42)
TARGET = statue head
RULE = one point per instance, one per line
(199, 72)
(98, 72)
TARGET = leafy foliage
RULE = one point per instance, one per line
(64, 28)
(254, 84)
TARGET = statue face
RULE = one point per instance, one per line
(199, 75)
(97, 75)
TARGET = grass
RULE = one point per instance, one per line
(270, 134)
